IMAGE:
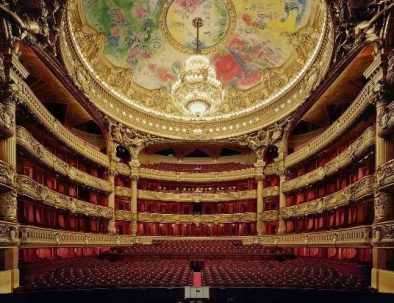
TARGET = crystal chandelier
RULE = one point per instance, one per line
(197, 91)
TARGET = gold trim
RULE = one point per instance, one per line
(43, 194)
(45, 157)
(346, 158)
(354, 192)
(197, 219)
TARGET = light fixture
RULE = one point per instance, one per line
(197, 91)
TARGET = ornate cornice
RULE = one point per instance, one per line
(55, 128)
(40, 153)
(7, 175)
(383, 233)
(352, 193)
(386, 121)
(346, 158)
(197, 219)
(366, 96)
(35, 191)
(385, 175)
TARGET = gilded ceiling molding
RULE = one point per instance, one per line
(385, 175)
(197, 219)
(346, 158)
(353, 193)
(182, 130)
(37, 192)
(55, 128)
(40, 153)
(366, 96)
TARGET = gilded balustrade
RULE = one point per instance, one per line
(337, 128)
(197, 219)
(346, 158)
(270, 215)
(32, 189)
(41, 237)
(56, 129)
(354, 192)
(39, 152)
(383, 233)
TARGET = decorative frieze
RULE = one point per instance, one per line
(355, 192)
(40, 153)
(197, 219)
(35, 191)
(55, 128)
(123, 215)
(346, 158)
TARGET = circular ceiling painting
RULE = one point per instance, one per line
(260, 50)
(155, 38)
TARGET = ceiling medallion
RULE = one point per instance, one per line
(197, 90)
(220, 18)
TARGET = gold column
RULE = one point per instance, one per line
(111, 199)
(282, 204)
(8, 199)
(260, 205)
(134, 165)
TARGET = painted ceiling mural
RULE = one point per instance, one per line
(242, 39)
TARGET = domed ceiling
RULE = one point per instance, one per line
(261, 50)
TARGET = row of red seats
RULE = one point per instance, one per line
(197, 168)
(89, 273)
(195, 247)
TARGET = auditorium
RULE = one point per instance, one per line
(173, 151)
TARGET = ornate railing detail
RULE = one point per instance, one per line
(270, 215)
(346, 158)
(123, 215)
(271, 191)
(9, 233)
(56, 128)
(383, 233)
(43, 194)
(360, 235)
(36, 236)
(41, 237)
(7, 174)
(35, 149)
(197, 177)
(197, 219)
(354, 192)
(385, 175)
(331, 134)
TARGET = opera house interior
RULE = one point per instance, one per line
(178, 151)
